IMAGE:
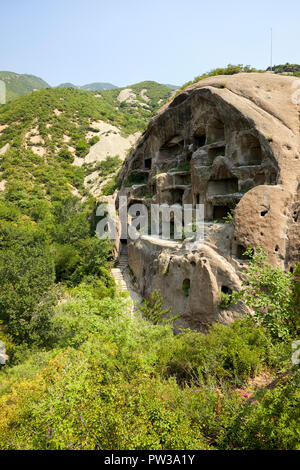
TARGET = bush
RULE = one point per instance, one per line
(111, 186)
(82, 148)
(94, 140)
(270, 424)
(269, 292)
(231, 353)
(66, 260)
(66, 155)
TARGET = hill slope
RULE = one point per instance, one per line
(144, 97)
(59, 128)
(21, 84)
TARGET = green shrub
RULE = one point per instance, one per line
(94, 140)
(269, 292)
(82, 148)
(66, 155)
(111, 186)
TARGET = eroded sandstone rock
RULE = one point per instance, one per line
(230, 143)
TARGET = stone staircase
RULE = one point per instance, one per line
(123, 280)
(120, 266)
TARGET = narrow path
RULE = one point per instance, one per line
(122, 277)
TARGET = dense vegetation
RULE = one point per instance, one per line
(113, 382)
(83, 373)
(229, 70)
(291, 69)
(21, 84)
(156, 93)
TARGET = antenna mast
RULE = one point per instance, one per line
(271, 49)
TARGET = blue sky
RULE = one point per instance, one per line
(127, 41)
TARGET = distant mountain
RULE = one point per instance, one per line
(173, 87)
(97, 86)
(67, 85)
(21, 84)
(144, 98)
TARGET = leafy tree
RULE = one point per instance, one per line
(153, 310)
(66, 155)
(269, 292)
(26, 280)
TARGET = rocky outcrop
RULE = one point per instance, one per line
(230, 143)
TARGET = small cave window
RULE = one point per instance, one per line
(186, 285)
(200, 140)
(148, 163)
(263, 213)
(276, 248)
(197, 199)
(220, 212)
(226, 290)
(295, 216)
(291, 270)
(136, 164)
(172, 146)
(216, 152)
(177, 196)
(216, 131)
(241, 252)
(225, 186)
(251, 152)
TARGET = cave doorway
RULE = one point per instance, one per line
(148, 163)
(220, 212)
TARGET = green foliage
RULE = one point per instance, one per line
(296, 281)
(26, 279)
(82, 148)
(65, 155)
(273, 423)
(229, 70)
(230, 353)
(85, 373)
(225, 300)
(20, 84)
(94, 140)
(111, 186)
(108, 166)
(229, 219)
(153, 310)
(135, 179)
(268, 291)
(186, 287)
(66, 260)
(291, 69)
(183, 167)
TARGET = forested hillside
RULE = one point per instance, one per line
(21, 84)
(82, 371)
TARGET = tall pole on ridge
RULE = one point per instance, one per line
(271, 49)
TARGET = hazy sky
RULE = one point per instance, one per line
(127, 41)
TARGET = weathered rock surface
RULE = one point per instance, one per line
(229, 143)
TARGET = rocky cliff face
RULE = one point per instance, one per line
(230, 143)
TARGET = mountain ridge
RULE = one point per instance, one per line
(20, 84)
